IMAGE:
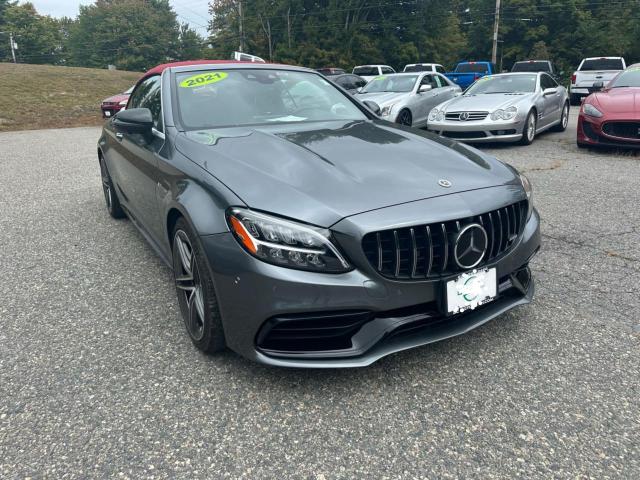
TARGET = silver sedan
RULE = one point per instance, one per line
(407, 98)
(509, 107)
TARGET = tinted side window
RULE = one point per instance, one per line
(430, 80)
(387, 70)
(547, 82)
(440, 69)
(345, 82)
(359, 82)
(147, 95)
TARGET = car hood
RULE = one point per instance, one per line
(484, 102)
(322, 172)
(619, 100)
(116, 98)
(382, 98)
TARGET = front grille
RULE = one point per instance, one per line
(629, 130)
(426, 251)
(464, 135)
(473, 116)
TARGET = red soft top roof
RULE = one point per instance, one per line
(160, 68)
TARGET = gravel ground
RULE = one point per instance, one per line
(99, 379)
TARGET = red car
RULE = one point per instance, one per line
(112, 105)
(611, 117)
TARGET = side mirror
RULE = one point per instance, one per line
(597, 86)
(549, 91)
(373, 106)
(424, 88)
(136, 120)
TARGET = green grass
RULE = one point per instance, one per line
(44, 96)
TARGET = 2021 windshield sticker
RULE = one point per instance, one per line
(203, 79)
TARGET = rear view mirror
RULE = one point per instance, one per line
(135, 120)
(550, 91)
(597, 86)
(373, 106)
(424, 88)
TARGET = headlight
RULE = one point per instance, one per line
(436, 115)
(386, 111)
(286, 243)
(506, 114)
(590, 110)
(123, 103)
(526, 184)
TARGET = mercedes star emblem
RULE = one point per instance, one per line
(470, 246)
(464, 116)
(444, 183)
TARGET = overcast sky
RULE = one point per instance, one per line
(193, 12)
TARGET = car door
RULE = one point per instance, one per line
(427, 100)
(553, 102)
(138, 172)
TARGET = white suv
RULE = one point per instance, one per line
(370, 71)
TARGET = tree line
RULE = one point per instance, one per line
(136, 34)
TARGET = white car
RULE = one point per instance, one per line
(591, 71)
(371, 71)
(424, 67)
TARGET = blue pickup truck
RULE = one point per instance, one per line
(466, 73)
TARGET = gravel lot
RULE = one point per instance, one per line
(98, 377)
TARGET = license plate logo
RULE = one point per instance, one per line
(471, 289)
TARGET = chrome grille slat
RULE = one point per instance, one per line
(397, 244)
(421, 252)
(379, 251)
(414, 251)
(445, 243)
(430, 241)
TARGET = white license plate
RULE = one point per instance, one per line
(471, 289)
(107, 113)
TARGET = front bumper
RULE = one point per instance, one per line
(394, 315)
(590, 133)
(486, 131)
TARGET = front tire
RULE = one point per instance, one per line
(529, 130)
(196, 293)
(564, 119)
(110, 195)
(404, 118)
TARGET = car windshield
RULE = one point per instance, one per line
(602, 64)
(417, 68)
(531, 67)
(391, 83)
(628, 78)
(223, 98)
(504, 84)
(472, 68)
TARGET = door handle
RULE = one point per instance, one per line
(119, 136)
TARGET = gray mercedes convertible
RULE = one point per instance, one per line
(304, 231)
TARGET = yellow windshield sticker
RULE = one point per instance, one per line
(203, 79)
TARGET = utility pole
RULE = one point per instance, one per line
(13, 46)
(496, 24)
(241, 29)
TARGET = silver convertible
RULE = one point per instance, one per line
(407, 98)
(508, 107)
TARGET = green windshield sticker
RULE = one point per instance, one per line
(380, 78)
(484, 79)
(203, 79)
